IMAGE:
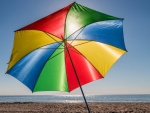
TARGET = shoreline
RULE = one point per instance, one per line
(57, 107)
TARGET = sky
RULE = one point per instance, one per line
(129, 75)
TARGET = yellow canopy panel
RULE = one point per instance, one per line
(101, 56)
(26, 41)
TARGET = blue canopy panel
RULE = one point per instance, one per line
(108, 32)
(28, 69)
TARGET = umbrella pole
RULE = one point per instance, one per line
(79, 83)
(85, 99)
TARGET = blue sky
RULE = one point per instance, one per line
(129, 75)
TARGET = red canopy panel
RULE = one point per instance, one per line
(83, 68)
(53, 23)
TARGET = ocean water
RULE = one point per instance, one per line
(77, 98)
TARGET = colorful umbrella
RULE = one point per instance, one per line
(67, 49)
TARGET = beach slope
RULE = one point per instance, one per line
(106, 107)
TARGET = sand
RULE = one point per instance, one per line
(33, 107)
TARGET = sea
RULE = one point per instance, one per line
(76, 98)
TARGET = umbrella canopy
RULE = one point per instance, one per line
(71, 47)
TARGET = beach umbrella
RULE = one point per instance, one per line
(66, 49)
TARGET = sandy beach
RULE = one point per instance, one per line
(29, 107)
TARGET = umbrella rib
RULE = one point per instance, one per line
(53, 39)
(80, 44)
(78, 52)
(56, 55)
(76, 36)
(95, 41)
(46, 61)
